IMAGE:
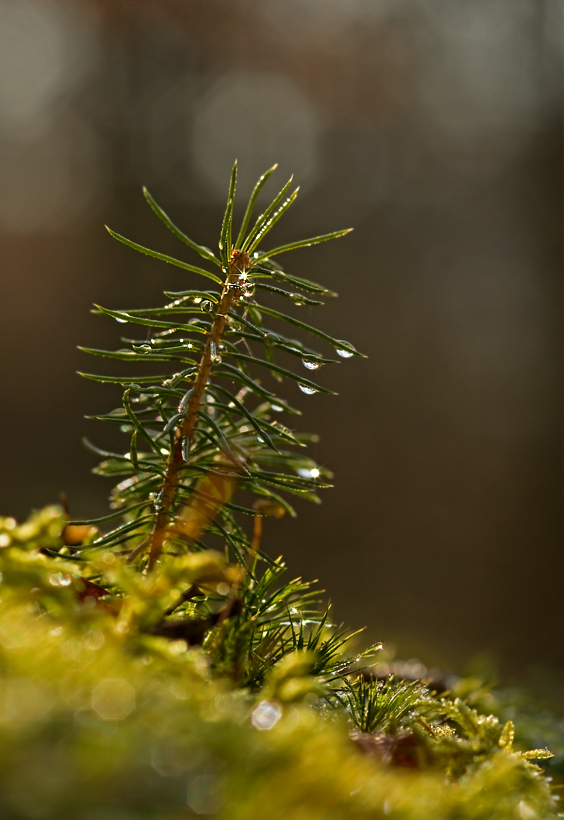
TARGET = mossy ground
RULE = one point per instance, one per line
(99, 718)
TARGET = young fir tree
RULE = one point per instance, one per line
(165, 667)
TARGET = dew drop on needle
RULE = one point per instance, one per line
(343, 352)
(310, 364)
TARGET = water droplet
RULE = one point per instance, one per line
(343, 353)
(305, 388)
(310, 364)
(206, 306)
(276, 408)
(58, 579)
(142, 348)
(185, 448)
(121, 321)
(308, 472)
(214, 355)
(266, 715)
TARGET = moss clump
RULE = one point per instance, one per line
(101, 717)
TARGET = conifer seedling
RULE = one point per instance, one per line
(207, 447)
(211, 424)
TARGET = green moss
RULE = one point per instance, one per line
(100, 718)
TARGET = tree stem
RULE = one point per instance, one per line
(238, 266)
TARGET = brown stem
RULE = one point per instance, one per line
(238, 265)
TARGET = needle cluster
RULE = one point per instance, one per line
(211, 424)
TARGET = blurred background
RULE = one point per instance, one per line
(434, 127)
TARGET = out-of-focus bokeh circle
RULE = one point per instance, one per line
(261, 120)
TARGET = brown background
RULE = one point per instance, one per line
(432, 126)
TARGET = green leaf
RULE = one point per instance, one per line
(133, 450)
(289, 483)
(130, 380)
(229, 371)
(223, 444)
(264, 492)
(121, 459)
(337, 343)
(283, 372)
(163, 257)
(270, 223)
(138, 426)
(303, 243)
(123, 316)
(279, 430)
(250, 207)
(129, 355)
(226, 228)
(129, 527)
(162, 311)
(218, 527)
(242, 409)
(212, 295)
(162, 347)
(105, 518)
(287, 294)
(153, 391)
(264, 216)
(206, 253)
(292, 346)
(296, 281)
